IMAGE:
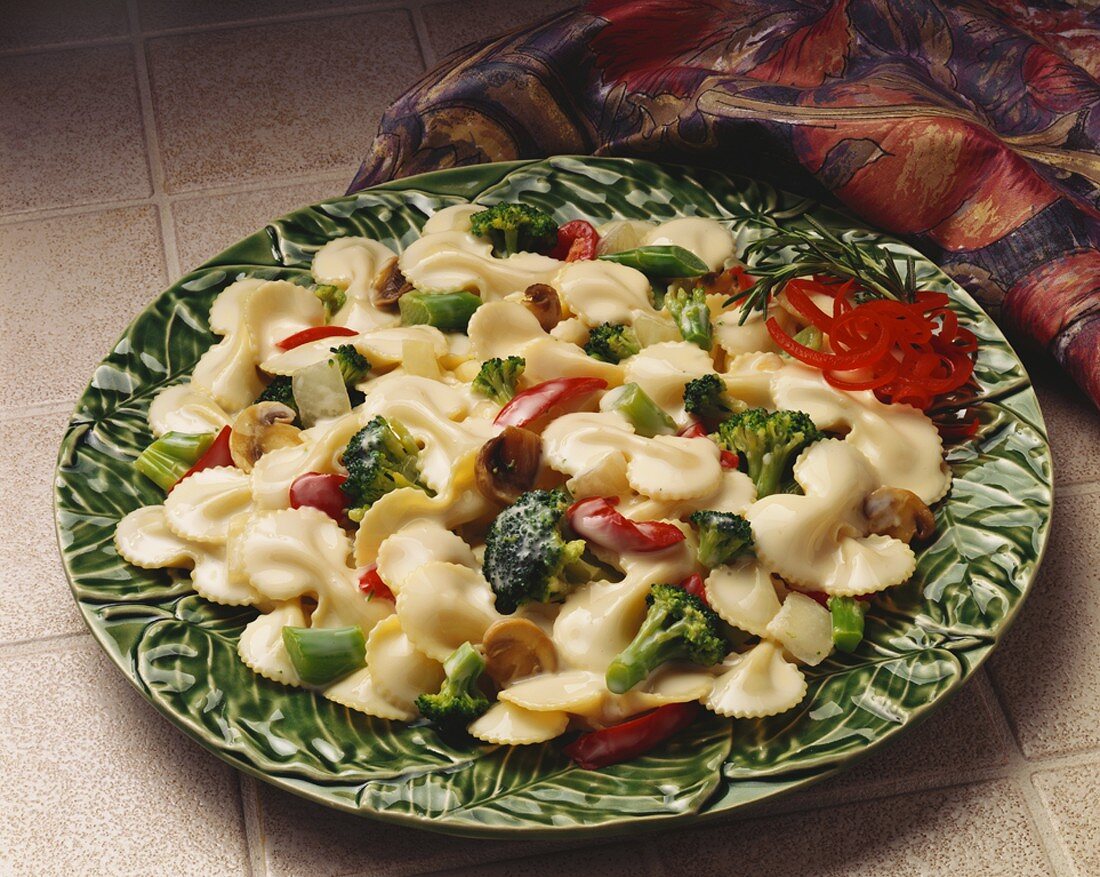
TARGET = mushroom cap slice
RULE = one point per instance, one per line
(516, 648)
(260, 428)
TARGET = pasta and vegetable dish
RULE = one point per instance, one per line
(525, 480)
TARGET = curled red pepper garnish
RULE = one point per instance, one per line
(314, 333)
(577, 241)
(596, 520)
(216, 455)
(371, 584)
(320, 491)
(549, 397)
(631, 738)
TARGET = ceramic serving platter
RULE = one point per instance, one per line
(923, 639)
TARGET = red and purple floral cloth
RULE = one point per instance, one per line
(971, 128)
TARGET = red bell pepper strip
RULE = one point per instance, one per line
(596, 520)
(314, 333)
(693, 584)
(549, 396)
(632, 738)
(577, 241)
(729, 460)
(320, 491)
(695, 429)
(371, 584)
(216, 455)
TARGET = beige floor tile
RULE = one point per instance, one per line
(33, 577)
(104, 785)
(206, 226)
(306, 838)
(453, 25)
(1046, 670)
(69, 286)
(954, 743)
(70, 125)
(30, 23)
(279, 100)
(1070, 797)
(631, 858)
(965, 830)
(165, 14)
(1073, 424)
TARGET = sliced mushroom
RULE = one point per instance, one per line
(260, 428)
(542, 301)
(508, 464)
(516, 648)
(389, 286)
(902, 514)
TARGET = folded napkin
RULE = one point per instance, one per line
(971, 129)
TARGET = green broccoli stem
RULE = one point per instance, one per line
(463, 668)
(847, 617)
(663, 260)
(654, 645)
(323, 655)
(168, 458)
(692, 317)
(646, 416)
(447, 311)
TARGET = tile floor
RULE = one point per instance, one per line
(138, 130)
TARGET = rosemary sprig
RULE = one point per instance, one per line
(819, 252)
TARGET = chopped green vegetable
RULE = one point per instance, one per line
(809, 337)
(168, 458)
(661, 260)
(381, 457)
(612, 343)
(847, 615)
(322, 655)
(498, 377)
(332, 297)
(723, 536)
(706, 398)
(352, 364)
(644, 414)
(526, 556)
(459, 700)
(515, 228)
(690, 312)
(677, 627)
(279, 390)
(447, 311)
(768, 443)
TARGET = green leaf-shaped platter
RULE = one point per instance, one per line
(923, 639)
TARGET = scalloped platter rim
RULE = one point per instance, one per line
(923, 640)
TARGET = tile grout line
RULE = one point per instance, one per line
(24, 412)
(420, 28)
(46, 48)
(25, 647)
(165, 217)
(1021, 770)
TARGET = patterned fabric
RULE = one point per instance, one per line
(972, 129)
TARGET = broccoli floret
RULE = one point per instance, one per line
(459, 700)
(677, 627)
(526, 556)
(279, 390)
(352, 364)
(497, 378)
(768, 443)
(612, 343)
(722, 536)
(692, 315)
(332, 297)
(706, 398)
(514, 228)
(381, 457)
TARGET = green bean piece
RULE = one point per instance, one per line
(646, 416)
(322, 655)
(168, 458)
(447, 311)
(660, 260)
(847, 615)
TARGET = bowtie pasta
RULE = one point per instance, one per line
(521, 479)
